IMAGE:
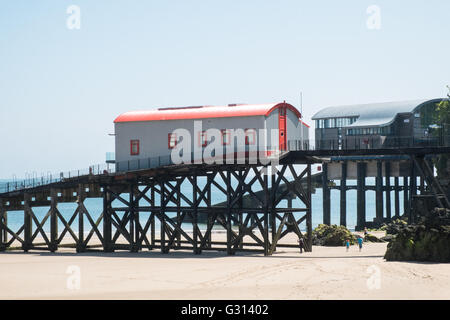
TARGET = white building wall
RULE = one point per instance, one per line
(153, 135)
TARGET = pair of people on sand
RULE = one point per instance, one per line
(360, 243)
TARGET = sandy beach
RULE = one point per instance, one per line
(325, 273)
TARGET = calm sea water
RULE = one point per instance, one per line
(95, 207)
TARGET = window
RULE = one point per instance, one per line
(225, 137)
(134, 147)
(172, 140)
(202, 139)
(250, 136)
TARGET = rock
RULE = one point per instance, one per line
(371, 238)
(388, 238)
(325, 235)
(428, 240)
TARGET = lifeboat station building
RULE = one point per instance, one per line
(376, 125)
(145, 139)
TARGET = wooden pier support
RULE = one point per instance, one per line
(53, 220)
(28, 222)
(413, 191)
(379, 193)
(406, 192)
(3, 224)
(326, 195)
(387, 169)
(361, 196)
(107, 221)
(343, 206)
(161, 200)
(397, 196)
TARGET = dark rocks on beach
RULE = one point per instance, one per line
(371, 238)
(388, 238)
(394, 227)
(325, 235)
(428, 240)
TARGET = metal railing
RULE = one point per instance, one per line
(49, 178)
(347, 143)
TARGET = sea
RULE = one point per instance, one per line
(95, 207)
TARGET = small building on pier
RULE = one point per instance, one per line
(377, 125)
(145, 139)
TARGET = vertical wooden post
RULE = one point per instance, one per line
(81, 196)
(210, 214)
(107, 222)
(178, 212)
(137, 222)
(361, 196)
(152, 218)
(309, 209)
(326, 195)
(397, 196)
(195, 214)
(133, 228)
(163, 219)
(387, 168)
(379, 193)
(53, 220)
(343, 206)
(405, 195)
(228, 214)
(413, 192)
(3, 224)
(273, 217)
(266, 212)
(28, 221)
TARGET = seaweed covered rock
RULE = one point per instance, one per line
(371, 238)
(325, 235)
(394, 227)
(388, 238)
(428, 240)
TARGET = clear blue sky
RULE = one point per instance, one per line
(61, 89)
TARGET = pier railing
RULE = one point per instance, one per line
(347, 143)
(33, 180)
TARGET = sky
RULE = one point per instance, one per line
(62, 88)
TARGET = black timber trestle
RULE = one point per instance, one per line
(169, 211)
(418, 178)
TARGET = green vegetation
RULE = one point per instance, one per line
(325, 235)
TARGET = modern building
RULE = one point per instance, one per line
(145, 139)
(377, 125)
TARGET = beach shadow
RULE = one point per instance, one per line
(156, 254)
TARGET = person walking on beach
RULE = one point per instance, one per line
(301, 244)
(360, 243)
(365, 231)
(347, 244)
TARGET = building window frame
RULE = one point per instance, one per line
(134, 147)
(172, 140)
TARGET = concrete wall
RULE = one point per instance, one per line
(398, 169)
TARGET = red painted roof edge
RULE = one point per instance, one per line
(141, 116)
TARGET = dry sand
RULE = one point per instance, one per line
(326, 273)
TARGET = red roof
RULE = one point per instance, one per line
(202, 112)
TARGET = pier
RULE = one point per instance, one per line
(154, 195)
